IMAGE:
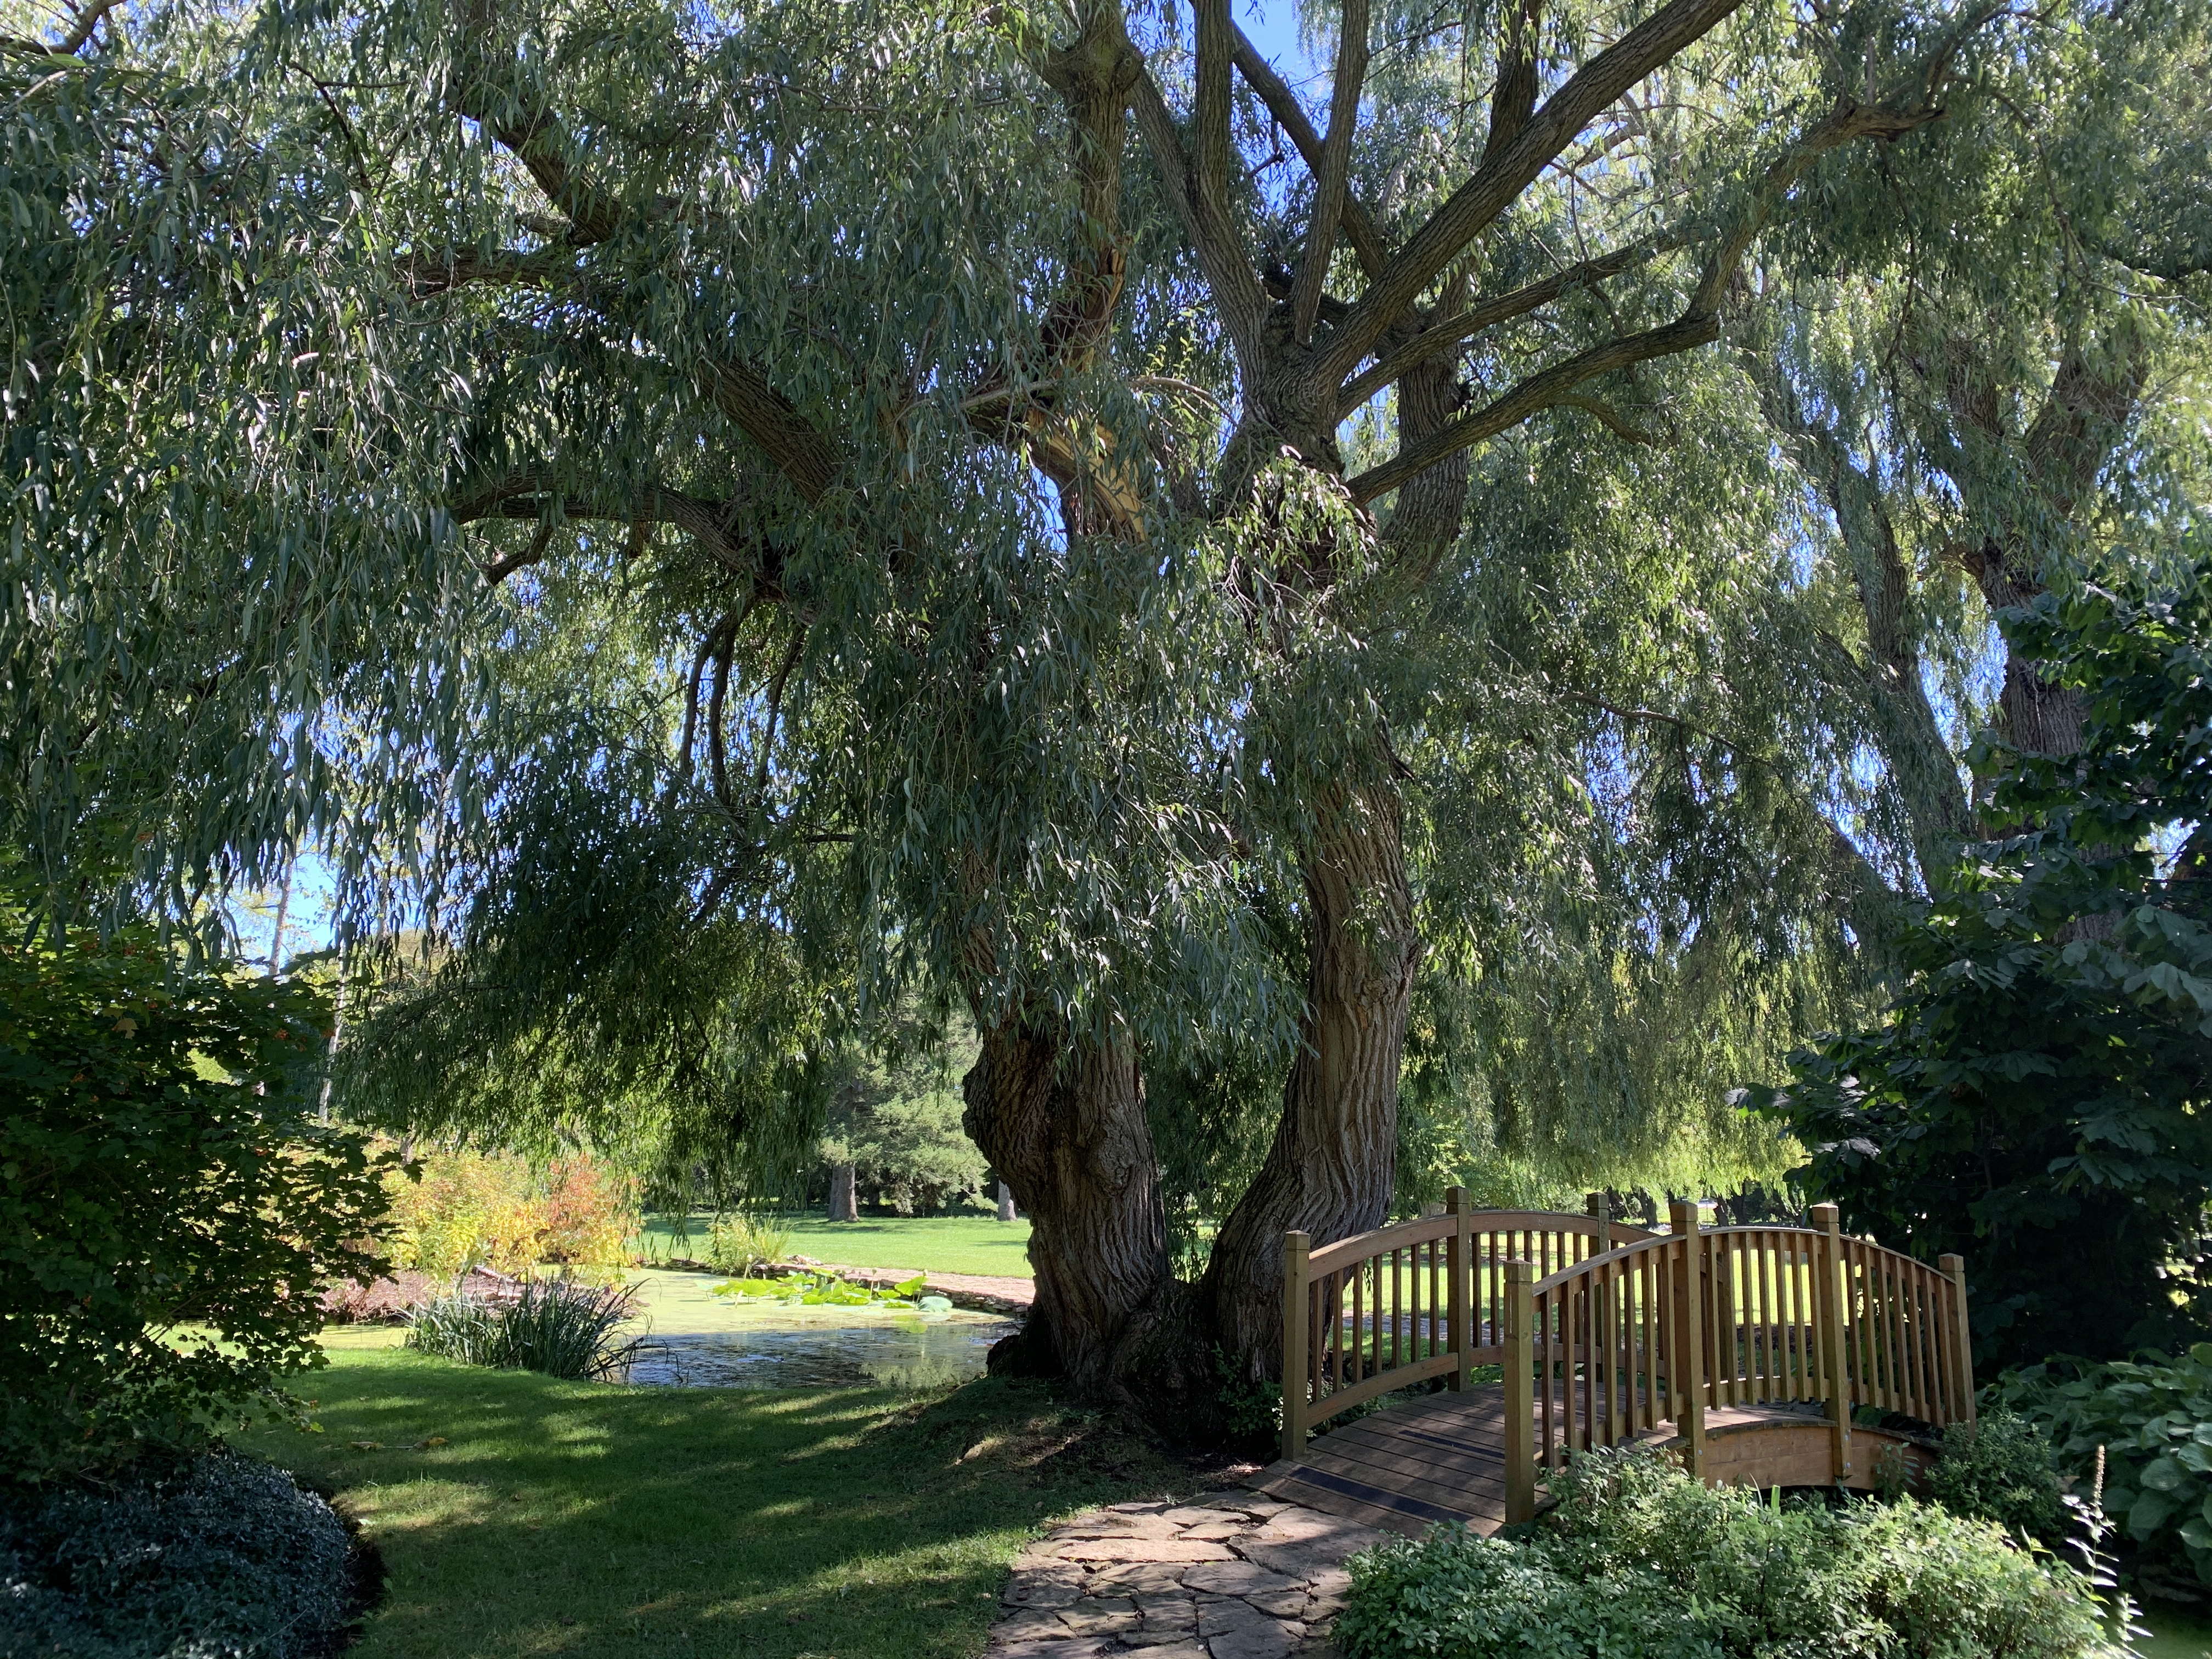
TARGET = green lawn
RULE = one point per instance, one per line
(975, 1243)
(576, 1518)
(2176, 1637)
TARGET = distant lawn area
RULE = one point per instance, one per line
(973, 1243)
(585, 1519)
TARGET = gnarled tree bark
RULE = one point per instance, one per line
(1062, 1120)
(1333, 1164)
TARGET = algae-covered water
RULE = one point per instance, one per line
(695, 1339)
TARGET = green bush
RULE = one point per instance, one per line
(2153, 1418)
(223, 1556)
(169, 1209)
(557, 1326)
(1638, 1561)
(1999, 1468)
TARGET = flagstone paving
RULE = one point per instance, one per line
(1231, 1576)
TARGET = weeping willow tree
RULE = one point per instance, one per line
(937, 413)
(1985, 363)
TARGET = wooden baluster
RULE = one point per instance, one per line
(1397, 1305)
(1316, 1304)
(1831, 1333)
(1690, 1339)
(1962, 1347)
(1358, 1354)
(1294, 1345)
(1456, 1206)
(1547, 1343)
(1800, 1346)
(1521, 1346)
(1929, 1301)
(1336, 1329)
(1430, 1346)
(1894, 1299)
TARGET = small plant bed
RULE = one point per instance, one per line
(221, 1554)
(1637, 1559)
(521, 1515)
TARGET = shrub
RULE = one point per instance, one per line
(220, 1556)
(169, 1208)
(1999, 1467)
(557, 1326)
(1637, 1559)
(588, 1212)
(457, 1209)
(739, 1242)
(2153, 1418)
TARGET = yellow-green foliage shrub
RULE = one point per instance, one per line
(494, 1209)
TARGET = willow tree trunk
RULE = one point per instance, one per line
(1062, 1122)
(1333, 1162)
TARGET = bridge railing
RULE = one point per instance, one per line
(1651, 1336)
(1607, 1332)
(1381, 1310)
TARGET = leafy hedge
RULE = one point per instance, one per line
(224, 1556)
(1639, 1562)
(2153, 1418)
(169, 1207)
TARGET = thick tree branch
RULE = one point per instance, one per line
(1448, 333)
(1514, 99)
(1235, 287)
(520, 496)
(1502, 177)
(807, 458)
(1540, 391)
(80, 34)
(1259, 75)
(1699, 323)
(1335, 162)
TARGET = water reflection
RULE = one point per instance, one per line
(888, 1351)
(696, 1340)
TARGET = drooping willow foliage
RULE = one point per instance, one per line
(593, 473)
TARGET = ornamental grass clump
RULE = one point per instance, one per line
(558, 1326)
(1638, 1561)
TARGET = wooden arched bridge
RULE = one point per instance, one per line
(1746, 1349)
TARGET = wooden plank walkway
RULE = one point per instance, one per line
(1442, 1458)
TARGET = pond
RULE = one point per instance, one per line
(695, 1339)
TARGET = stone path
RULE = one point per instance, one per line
(1232, 1575)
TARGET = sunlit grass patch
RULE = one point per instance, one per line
(582, 1519)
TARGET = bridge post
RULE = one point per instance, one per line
(1829, 1310)
(1690, 1298)
(1962, 1347)
(1599, 1208)
(1296, 1380)
(1520, 1393)
(1462, 1342)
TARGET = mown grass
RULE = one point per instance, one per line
(975, 1243)
(581, 1518)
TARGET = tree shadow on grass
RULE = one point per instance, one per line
(568, 1517)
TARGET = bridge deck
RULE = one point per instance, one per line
(1442, 1458)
